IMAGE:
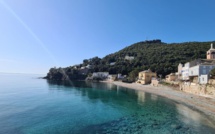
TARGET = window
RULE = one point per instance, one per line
(203, 79)
(204, 71)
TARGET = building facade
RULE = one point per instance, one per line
(185, 71)
(171, 77)
(211, 53)
(198, 71)
(102, 75)
(129, 57)
(146, 76)
(112, 77)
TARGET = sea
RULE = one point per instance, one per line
(30, 105)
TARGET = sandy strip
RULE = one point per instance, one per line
(202, 104)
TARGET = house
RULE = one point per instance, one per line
(183, 70)
(146, 76)
(198, 70)
(112, 63)
(112, 77)
(101, 75)
(171, 77)
(200, 73)
(129, 57)
(89, 66)
(120, 76)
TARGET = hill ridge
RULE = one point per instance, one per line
(156, 55)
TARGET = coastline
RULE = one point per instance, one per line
(198, 103)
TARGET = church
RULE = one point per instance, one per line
(211, 53)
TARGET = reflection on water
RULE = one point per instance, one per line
(189, 116)
(154, 97)
(145, 113)
(141, 97)
(37, 106)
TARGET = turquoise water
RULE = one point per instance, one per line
(36, 106)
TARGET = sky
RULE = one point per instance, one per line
(36, 35)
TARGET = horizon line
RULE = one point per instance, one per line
(22, 73)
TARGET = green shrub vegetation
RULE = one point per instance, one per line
(160, 57)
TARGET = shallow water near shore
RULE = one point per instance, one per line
(36, 106)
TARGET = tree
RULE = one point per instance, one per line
(133, 75)
(85, 62)
(212, 73)
(158, 56)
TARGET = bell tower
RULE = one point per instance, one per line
(211, 53)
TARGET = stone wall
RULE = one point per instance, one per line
(211, 81)
(155, 83)
(171, 82)
(202, 90)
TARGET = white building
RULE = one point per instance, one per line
(197, 70)
(185, 71)
(200, 73)
(112, 63)
(112, 77)
(102, 75)
(129, 57)
(120, 76)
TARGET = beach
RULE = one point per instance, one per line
(202, 104)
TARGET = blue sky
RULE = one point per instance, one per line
(36, 35)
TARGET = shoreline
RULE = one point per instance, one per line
(201, 104)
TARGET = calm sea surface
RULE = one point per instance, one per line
(36, 106)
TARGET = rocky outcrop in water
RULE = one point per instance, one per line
(68, 73)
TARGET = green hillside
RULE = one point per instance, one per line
(160, 57)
